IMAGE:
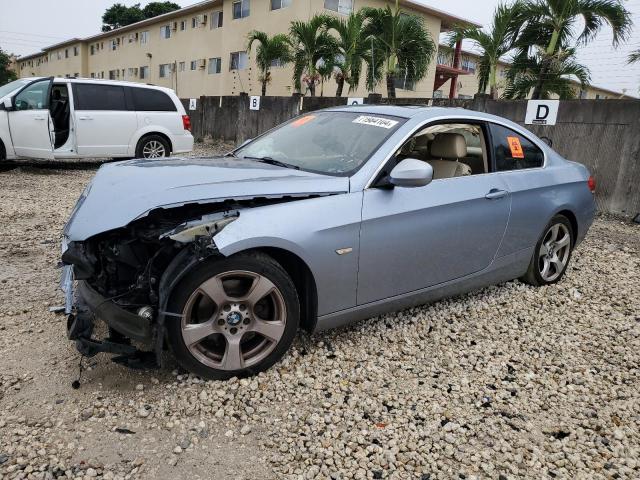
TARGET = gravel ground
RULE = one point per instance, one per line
(507, 382)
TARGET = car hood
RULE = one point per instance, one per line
(125, 191)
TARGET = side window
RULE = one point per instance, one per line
(34, 97)
(513, 151)
(90, 96)
(149, 100)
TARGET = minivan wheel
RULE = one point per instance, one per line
(552, 253)
(236, 316)
(153, 146)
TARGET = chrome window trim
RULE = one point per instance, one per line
(461, 119)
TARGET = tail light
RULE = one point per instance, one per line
(591, 183)
(186, 122)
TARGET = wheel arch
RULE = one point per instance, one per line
(303, 280)
(154, 131)
(572, 219)
(3, 151)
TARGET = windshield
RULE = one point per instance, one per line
(13, 86)
(335, 143)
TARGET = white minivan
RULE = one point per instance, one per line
(53, 118)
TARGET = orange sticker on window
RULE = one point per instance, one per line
(302, 120)
(516, 147)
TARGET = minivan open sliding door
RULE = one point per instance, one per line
(30, 121)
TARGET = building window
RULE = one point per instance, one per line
(193, 65)
(66, 53)
(181, 67)
(114, 45)
(403, 81)
(165, 70)
(113, 74)
(215, 65)
(444, 59)
(183, 25)
(278, 4)
(132, 72)
(597, 96)
(344, 7)
(469, 65)
(59, 55)
(194, 22)
(240, 9)
(76, 51)
(144, 72)
(216, 19)
(277, 62)
(92, 49)
(165, 31)
(144, 37)
(93, 75)
(438, 94)
(238, 61)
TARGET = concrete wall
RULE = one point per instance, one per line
(604, 136)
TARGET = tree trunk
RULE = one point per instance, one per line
(312, 89)
(264, 88)
(391, 88)
(544, 69)
(493, 82)
(340, 86)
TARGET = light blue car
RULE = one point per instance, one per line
(334, 216)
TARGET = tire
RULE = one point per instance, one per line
(153, 146)
(219, 335)
(543, 269)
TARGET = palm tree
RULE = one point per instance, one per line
(526, 71)
(351, 49)
(270, 49)
(494, 44)
(634, 56)
(325, 68)
(551, 25)
(400, 41)
(310, 42)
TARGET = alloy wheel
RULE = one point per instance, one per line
(153, 149)
(233, 320)
(554, 252)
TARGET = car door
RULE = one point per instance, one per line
(30, 122)
(104, 122)
(415, 238)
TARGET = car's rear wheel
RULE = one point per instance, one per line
(552, 253)
(153, 146)
(239, 316)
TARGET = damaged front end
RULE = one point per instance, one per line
(124, 277)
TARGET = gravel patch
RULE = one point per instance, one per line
(508, 382)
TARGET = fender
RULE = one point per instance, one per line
(5, 136)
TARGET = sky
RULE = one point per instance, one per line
(28, 25)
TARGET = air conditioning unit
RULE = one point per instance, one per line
(174, 26)
(202, 63)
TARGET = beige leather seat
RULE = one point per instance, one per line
(449, 148)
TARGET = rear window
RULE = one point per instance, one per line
(513, 151)
(148, 100)
(90, 96)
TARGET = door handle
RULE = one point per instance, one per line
(85, 118)
(495, 194)
(38, 118)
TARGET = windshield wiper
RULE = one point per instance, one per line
(273, 161)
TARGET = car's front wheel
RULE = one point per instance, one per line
(238, 316)
(153, 146)
(552, 253)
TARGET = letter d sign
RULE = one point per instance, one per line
(542, 112)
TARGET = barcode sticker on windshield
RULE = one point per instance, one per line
(375, 121)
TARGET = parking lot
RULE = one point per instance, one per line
(507, 382)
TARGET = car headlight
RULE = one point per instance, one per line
(208, 225)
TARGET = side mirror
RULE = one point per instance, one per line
(411, 172)
(6, 103)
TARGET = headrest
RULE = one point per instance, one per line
(449, 146)
(423, 141)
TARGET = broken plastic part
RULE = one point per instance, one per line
(208, 225)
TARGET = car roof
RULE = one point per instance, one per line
(106, 82)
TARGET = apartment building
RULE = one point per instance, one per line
(201, 49)
(468, 80)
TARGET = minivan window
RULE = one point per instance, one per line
(149, 100)
(34, 97)
(91, 96)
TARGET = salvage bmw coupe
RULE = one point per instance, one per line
(334, 216)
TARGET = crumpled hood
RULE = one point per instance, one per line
(124, 191)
